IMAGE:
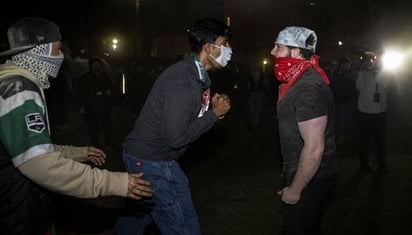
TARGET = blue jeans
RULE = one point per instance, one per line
(171, 206)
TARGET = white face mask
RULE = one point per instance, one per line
(225, 55)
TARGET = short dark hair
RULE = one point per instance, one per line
(207, 30)
(95, 59)
(306, 53)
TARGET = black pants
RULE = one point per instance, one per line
(100, 126)
(372, 127)
(305, 216)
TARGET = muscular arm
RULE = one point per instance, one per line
(312, 133)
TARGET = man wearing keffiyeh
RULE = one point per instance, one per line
(305, 109)
(31, 165)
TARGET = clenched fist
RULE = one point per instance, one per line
(220, 104)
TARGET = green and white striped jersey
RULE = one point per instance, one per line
(24, 130)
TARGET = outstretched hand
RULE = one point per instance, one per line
(138, 187)
(96, 156)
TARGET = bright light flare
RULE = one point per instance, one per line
(392, 60)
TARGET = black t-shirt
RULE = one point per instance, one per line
(308, 98)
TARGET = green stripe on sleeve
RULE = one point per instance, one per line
(23, 128)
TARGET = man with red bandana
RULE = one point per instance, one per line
(305, 109)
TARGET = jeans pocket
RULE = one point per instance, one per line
(133, 164)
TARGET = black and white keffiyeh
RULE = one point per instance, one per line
(40, 62)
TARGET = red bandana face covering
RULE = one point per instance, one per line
(288, 70)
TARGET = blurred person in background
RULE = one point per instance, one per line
(373, 85)
(255, 98)
(342, 83)
(96, 92)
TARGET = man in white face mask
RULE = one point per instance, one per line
(178, 110)
(30, 164)
(225, 54)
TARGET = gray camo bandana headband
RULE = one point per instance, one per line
(40, 62)
(296, 36)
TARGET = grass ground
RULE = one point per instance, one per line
(234, 174)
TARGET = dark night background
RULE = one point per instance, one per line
(235, 175)
(158, 27)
